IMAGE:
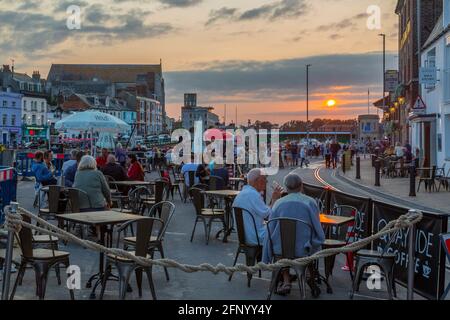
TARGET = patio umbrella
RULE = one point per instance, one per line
(93, 121)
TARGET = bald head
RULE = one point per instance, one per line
(257, 179)
(293, 183)
(111, 159)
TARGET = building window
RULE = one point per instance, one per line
(4, 120)
(5, 103)
(13, 104)
(431, 63)
(33, 119)
(24, 105)
(42, 106)
(13, 120)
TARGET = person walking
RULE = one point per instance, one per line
(303, 159)
(335, 147)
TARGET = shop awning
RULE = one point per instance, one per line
(379, 103)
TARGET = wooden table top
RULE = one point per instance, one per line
(97, 218)
(335, 220)
(222, 193)
(133, 183)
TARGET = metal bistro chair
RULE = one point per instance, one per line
(445, 239)
(116, 195)
(384, 260)
(144, 228)
(189, 184)
(75, 195)
(338, 237)
(207, 216)
(166, 210)
(252, 253)
(42, 260)
(429, 178)
(216, 183)
(443, 179)
(54, 193)
(160, 192)
(287, 232)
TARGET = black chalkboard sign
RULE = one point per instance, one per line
(429, 270)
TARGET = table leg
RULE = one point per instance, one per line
(228, 220)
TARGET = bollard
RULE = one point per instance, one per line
(377, 173)
(8, 257)
(358, 168)
(412, 181)
(343, 163)
(411, 260)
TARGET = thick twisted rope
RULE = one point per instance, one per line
(14, 223)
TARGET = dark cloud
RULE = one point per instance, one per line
(180, 3)
(48, 31)
(283, 9)
(220, 14)
(343, 24)
(62, 5)
(29, 5)
(279, 80)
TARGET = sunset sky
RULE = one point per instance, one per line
(246, 53)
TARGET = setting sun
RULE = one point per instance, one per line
(331, 103)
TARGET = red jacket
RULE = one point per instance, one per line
(135, 172)
(101, 162)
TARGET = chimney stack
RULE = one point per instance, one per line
(36, 75)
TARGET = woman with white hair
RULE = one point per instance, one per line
(93, 182)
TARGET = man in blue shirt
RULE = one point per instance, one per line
(69, 173)
(250, 199)
(309, 236)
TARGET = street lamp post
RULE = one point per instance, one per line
(384, 67)
(307, 108)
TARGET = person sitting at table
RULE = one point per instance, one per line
(399, 151)
(114, 170)
(250, 199)
(71, 161)
(202, 174)
(221, 171)
(70, 172)
(135, 171)
(93, 182)
(102, 159)
(44, 176)
(294, 205)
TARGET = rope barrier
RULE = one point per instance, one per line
(15, 223)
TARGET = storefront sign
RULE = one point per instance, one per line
(428, 76)
(391, 80)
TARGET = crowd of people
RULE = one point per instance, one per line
(88, 174)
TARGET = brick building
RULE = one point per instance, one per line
(408, 90)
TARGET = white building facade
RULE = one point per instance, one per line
(34, 110)
(430, 130)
